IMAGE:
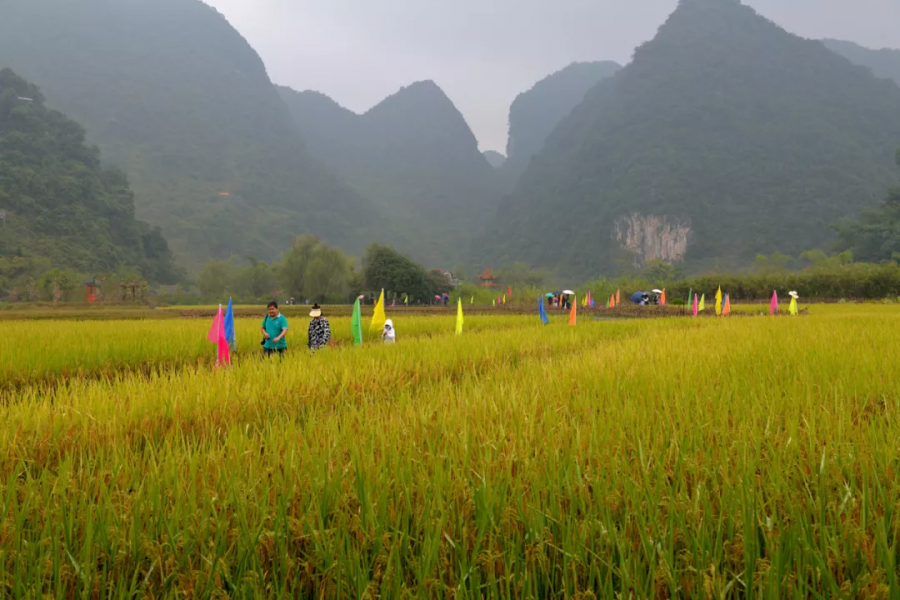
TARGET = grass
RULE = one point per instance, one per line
(658, 458)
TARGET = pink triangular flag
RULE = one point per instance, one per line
(696, 307)
(216, 335)
(218, 322)
(773, 305)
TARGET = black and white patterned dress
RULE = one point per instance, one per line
(319, 333)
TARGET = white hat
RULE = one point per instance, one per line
(793, 294)
(316, 311)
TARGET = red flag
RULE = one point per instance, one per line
(509, 292)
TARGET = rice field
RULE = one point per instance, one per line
(747, 456)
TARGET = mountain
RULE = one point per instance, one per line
(494, 158)
(724, 138)
(884, 63)
(415, 157)
(172, 94)
(58, 203)
(534, 114)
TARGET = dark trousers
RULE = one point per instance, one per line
(273, 351)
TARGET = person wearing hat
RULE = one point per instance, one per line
(319, 329)
(389, 335)
(274, 330)
(793, 308)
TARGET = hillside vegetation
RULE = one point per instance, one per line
(58, 203)
(176, 97)
(726, 137)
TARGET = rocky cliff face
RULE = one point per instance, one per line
(652, 237)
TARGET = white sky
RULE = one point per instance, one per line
(484, 52)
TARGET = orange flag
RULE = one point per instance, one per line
(726, 309)
(662, 299)
(618, 297)
(572, 314)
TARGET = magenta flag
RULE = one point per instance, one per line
(696, 305)
(216, 335)
(213, 335)
(773, 306)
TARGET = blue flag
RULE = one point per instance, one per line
(541, 310)
(229, 326)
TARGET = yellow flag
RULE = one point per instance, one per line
(504, 298)
(493, 302)
(702, 306)
(378, 317)
(459, 317)
(719, 302)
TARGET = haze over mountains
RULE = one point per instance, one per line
(883, 63)
(536, 113)
(725, 137)
(414, 155)
(177, 98)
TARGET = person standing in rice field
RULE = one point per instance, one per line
(274, 329)
(319, 329)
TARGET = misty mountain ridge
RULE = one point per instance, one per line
(175, 96)
(413, 155)
(494, 158)
(884, 63)
(725, 137)
(535, 113)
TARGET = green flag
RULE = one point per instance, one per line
(356, 324)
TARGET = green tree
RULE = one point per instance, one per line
(660, 271)
(875, 235)
(257, 280)
(520, 275)
(315, 270)
(216, 278)
(385, 268)
(57, 285)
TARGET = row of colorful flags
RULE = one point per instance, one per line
(222, 331)
(698, 303)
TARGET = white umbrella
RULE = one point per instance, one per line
(568, 293)
(657, 291)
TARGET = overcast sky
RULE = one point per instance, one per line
(484, 52)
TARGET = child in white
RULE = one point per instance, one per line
(388, 335)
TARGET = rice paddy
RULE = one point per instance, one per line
(635, 458)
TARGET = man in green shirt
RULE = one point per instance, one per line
(274, 329)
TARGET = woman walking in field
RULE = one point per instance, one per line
(319, 329)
